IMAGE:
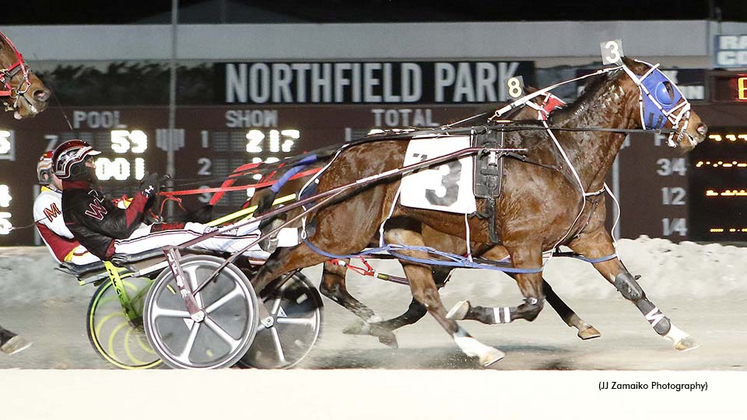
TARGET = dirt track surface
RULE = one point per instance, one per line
(700, 287)
(547, 369)
(627, 342)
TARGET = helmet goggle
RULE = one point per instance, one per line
(44, 168)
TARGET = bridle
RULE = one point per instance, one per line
(660, 100)
(10, 94)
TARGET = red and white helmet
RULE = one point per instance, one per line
(69, 159)
(44, 168)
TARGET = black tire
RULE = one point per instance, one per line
(118, 341)
(296, 308)
(229, 326)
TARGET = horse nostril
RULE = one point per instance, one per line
(42, 95)
(702, 129)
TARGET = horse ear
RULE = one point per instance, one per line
(629, 62)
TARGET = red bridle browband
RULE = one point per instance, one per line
(7, 74)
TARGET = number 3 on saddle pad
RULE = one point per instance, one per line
(446, 187)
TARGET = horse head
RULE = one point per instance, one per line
(662, 106)
(20, 89)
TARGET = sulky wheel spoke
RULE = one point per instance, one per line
(237, 291)
(159, 312)
(184, 356)
(311, 322)
(190, 272)
(214, 327)
(278, 345)
(275, 306)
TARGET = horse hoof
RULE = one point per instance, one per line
(390, 342)
(459, 311)
(588, 333)
(682, 341)
(384, 335)
(358, 327)
(686, 344)
(490, 357)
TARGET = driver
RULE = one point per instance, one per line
(105, 230)
(48, 218)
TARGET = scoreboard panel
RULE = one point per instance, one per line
(719, 185)
(211, 141)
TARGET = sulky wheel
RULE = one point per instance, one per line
(120, 341)
(230, 323)
(295, 322)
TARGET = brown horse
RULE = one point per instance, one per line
(334, 287)
(541, 205)
(20, 89)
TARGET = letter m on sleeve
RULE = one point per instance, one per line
(51, 212)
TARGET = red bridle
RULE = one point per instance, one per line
(7, 74)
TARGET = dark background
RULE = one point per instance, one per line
(54, 12)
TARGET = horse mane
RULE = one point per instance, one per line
(592, 90)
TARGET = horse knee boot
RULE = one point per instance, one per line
(628, 287)
(631, 290)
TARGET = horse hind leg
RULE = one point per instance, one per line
(530, 284)
(502, 315)
(424, 290)
(585, 330)
(333, 286)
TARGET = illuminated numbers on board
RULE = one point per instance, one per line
(6, 145)
(742, 88)
(5, 197)
(124, 141)
(672, 226)
(728, 136)
(204, 198)
(52, 140)
(5, 225)
(119, 169)
(673, 196)
(205, 165)
(275, 141)
(669, 166)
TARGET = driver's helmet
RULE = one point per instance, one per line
(70, 160)
(44, 168)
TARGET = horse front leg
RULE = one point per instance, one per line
(598, 244)
(424, 290)
(334, 287)
(530, 283)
